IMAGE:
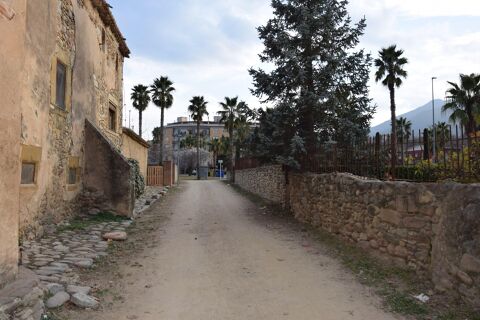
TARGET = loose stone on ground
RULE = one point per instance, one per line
(50, 265)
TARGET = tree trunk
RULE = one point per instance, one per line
(198, 150)
(140, 123)
(162, 111)
(471, 126)
(307, 108)
(232, 158)
(393, 139)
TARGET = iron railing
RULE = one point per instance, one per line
(457, 157)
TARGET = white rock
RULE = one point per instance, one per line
(84, 301)
(422, 297)
(57, 300)
(117, 236)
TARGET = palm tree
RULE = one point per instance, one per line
(232, 110)
(162, 89)
(390, 71)
(198, 109)
(215, 147)
(404, 128)
(404, 131)
(156, 134)
(140, 97)
(442, 135)
(188, 142)
(464, 101)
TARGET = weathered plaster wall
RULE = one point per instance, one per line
(267, 181)
(133, 149)
(108, 177)
(431, 228)
(69, 30)
(12, 58)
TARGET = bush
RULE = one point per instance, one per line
(137, 178)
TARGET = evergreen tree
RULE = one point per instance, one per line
(319, 80)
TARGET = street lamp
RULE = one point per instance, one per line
(433, 121)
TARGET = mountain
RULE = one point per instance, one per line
(420, 117)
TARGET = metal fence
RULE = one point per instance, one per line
(454, 155)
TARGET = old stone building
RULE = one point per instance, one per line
(61, 83)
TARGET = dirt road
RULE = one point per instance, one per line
(216, 258)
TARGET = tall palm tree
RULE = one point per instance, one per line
(140, 98)
(231, 111)
(162, 97)
(198, 109)
(390, 71)
(464, 101)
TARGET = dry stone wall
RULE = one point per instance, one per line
(267, 182)
(431, 228)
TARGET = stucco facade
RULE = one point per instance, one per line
(134, 147)
(64, 65)
(12, 56)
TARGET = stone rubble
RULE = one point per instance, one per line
(151, 195)
(50, 265)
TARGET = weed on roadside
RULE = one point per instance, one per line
(81, 223)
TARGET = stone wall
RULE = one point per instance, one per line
(431, 228)
(267, 181)
(108, 182)
(392, 219)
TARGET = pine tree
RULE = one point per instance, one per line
(319, 77)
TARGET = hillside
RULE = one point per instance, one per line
(420, 117)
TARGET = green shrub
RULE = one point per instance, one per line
(137, 178)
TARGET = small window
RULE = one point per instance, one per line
(112, 118)
(61, 85)
(28, 173)
(103, 40)
(72, 175)
(116, 62)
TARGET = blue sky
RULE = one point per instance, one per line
(206, 47)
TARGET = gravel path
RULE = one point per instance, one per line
(217, 258)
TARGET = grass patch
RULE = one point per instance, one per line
(396, 286)
(399, 302)
(82, 223)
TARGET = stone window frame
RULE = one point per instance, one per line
(112, 106)
(61, 57)
(73, 163)
(103, 40)
(31, 155)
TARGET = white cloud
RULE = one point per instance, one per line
(418, 8)
(440, 38)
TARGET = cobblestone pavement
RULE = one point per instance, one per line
(56, 260)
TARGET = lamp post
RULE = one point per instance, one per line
(433, 121)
